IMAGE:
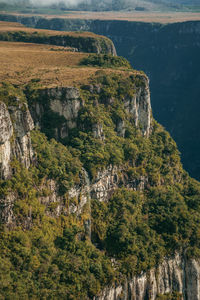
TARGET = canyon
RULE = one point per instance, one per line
(169, 54)
(94, 201)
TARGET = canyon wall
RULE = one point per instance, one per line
(169, 55)
(173, 274)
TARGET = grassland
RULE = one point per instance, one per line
(158, 17)
(22, 62)
(53, 65)
(134, 16)
(12, 27)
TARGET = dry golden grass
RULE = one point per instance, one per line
(12, 26)
(21, 62)
(137, 16)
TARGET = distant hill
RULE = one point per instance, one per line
(57, 6)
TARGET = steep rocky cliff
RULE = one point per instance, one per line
(15, 144)
(79, 41)
(172, 274)
(16, 124)
(169, 54)
(65, 106)
(66, 103)
(94, 202)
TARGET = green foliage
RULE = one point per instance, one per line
(48, 258)
(55, 161)
(50, 261)
(122, 228)
(84, 43)
(105, 61)
(174, 296)
(11, 95)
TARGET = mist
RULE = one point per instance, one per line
(100, 5)
(44, 2)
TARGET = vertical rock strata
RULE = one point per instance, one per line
(173, 274)
(15, 143)
(66, 102)
(15, 126)
(139, 106)
(6, 131)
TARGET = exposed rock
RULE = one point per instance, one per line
(80, 194)
(139, 106)
(173, 274)
(65, 102)
(97, 130)
(22, 121)
(77, 43)
(108, 180)
(22, 124)
(121, 128)
(6, 129)
(6, 209)
(55, 204)
(17, 145)
(5, 157)
(192, 278)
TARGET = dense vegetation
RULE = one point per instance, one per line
(174, 78)
(105, 61)
(46, 256)
(82, 43)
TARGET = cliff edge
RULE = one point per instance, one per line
(94, 202)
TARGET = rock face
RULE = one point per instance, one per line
(15, 143)
(78, 42)
(6, 209)
(6, 131)
(14, 136)
(174, 78)
(108, 180)
(173, 274)
(139, 107)
(66, 102)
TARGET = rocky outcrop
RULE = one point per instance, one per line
(15, 126)
(15, 143)
(89, 43)
(110, 179)
(6, 209)
(139, 106)
(22, 124)
(174, 78)
(6, 132)
(65, 103)
(172, 274)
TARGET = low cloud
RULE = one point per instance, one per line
(45, 2)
